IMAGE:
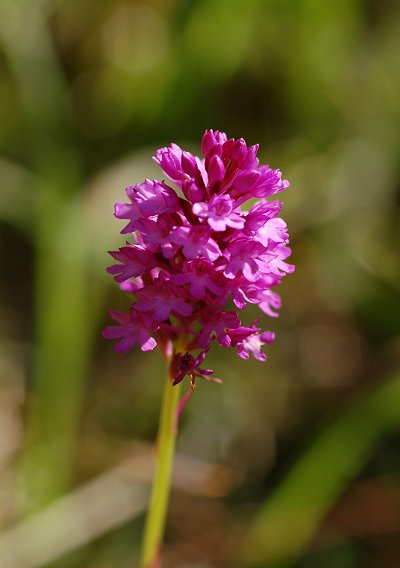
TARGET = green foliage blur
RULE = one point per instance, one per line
(292, 463)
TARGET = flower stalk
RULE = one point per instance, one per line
(191, 252)
(156, 516)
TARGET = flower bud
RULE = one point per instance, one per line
(216, 169)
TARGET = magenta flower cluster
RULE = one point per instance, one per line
(194, 250)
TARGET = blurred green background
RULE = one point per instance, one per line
(295, 463)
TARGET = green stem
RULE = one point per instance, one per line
(155, 521)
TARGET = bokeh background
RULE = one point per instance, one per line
(292, 463)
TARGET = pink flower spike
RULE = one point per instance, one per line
(133, 329)
(243, 256)
(193, 253)
(269, 301)
(250, 161)
(196, 242)
(243, 185)
(259, 214)
(219, 213)
(201, 276)
(189, 164)
(184, 170)
(249, 341)
(211, 140)
(208, 142)
(273, 261)
(147, 199)
(216, 169)
(269, 182)
(157, 233)
(162, 299)
(169, 160)
(273, 230)
(135, 262)
(216, 322)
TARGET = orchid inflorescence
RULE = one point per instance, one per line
(195, 249)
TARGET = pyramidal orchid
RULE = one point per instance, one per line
(211, 238)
